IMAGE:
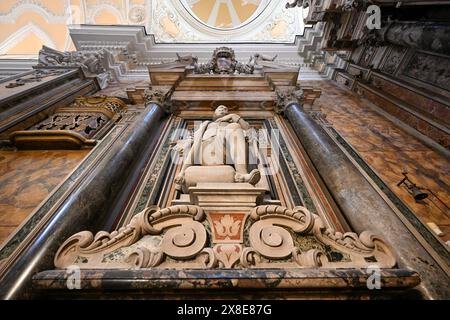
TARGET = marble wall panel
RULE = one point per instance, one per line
(421, 103)
(434, 70)
(421, 125)
(26, 179)
(389, 150)
(393, 59)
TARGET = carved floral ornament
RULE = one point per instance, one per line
(160, 95)
(108, 105)
(71, 127)
(223, 62)
(286, 96)
(179, 237)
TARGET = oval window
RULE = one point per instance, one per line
(225, 14)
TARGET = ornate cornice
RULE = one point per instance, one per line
(71, 127)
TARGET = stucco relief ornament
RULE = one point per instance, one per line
(93, 64)
(223, 62)
(137, 15)
(298, 3)
(176, 238)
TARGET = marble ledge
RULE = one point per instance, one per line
(275, 283)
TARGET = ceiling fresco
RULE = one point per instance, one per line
(27, 25)
(225, 14)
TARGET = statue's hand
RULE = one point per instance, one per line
(180, 178)
(229, 118)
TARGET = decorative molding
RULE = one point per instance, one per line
(188, 28)
(143, 51)
(22, 6)
(72, 127)
(50, 139)
(33, 77)
(177, 238)
(23, 32)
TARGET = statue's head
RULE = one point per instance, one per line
(220, 112)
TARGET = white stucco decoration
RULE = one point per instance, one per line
(185, 27)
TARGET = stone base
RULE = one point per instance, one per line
(228, 284)
(225, 195)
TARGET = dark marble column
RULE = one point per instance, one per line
(362, 206)
(90, 206)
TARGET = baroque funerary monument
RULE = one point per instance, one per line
(227, 149)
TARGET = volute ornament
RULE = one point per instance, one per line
(179, 237)
(286, 96)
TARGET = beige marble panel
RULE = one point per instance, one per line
(26, 179)
(389, 150)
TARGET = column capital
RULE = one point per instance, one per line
(287, 96)
(303, 96)
(160, 95)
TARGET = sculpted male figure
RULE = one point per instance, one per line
(221, 142)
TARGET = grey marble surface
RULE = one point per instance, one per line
(362, 206)
(88, 207)
(211, 284)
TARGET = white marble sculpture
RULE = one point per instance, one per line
(221, 148)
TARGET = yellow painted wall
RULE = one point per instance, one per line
(51, 28)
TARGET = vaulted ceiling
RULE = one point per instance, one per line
(224, 13)
(27, 25)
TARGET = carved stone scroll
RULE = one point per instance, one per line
(275, 235)
(181, 237)
(165, 238)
